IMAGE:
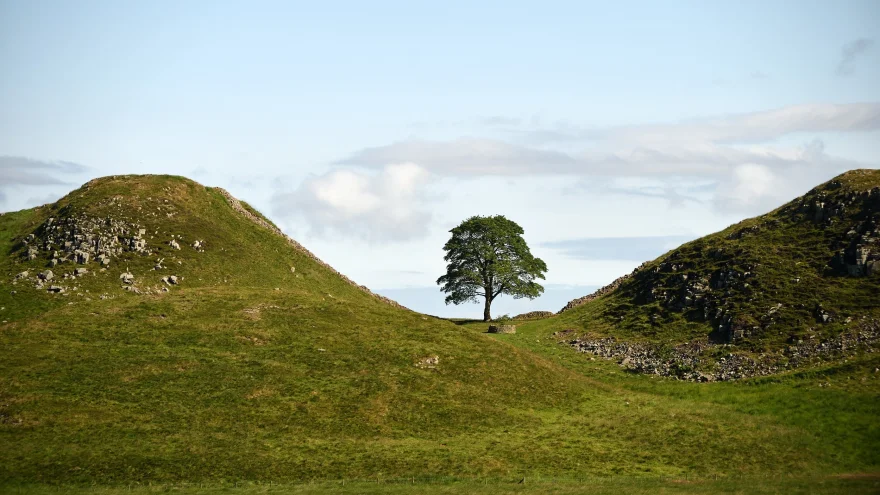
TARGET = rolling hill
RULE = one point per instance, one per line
(155, 330)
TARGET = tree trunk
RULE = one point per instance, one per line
(486, 315)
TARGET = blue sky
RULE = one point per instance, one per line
(367, 130)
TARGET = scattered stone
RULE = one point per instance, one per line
(170, 280)
(81, 271)
(692, 361)
(22, 275)
(127, 278)
(428, 362)
(55, 289)
(46, 275)
(174, 244)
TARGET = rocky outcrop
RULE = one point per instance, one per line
(83, 239)
(237, 206)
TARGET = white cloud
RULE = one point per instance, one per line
(738, 153)
(377, 207)
(748, 186)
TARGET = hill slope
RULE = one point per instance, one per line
(805, 275)
(812, 265)
(258, 362)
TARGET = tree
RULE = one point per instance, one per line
(487, 257)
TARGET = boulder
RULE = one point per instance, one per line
(47, 275)
(127, 278)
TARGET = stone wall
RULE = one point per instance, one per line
(534, 315)
(601, 292)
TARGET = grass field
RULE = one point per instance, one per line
(249, 373)
(852, 484)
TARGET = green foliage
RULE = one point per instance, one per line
(487, 257)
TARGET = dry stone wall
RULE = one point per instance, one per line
(601, 292)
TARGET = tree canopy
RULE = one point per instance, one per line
(487, 257)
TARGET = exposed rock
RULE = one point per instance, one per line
(428, 362)
(81, 271)
(80, 239)
(174, 244)
(46, 275)
(24, 274)
(170, 280)
(127, 278)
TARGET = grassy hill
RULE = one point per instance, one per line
(809, 268)
(259, 363)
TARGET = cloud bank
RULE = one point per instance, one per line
(18, 171)
(746, 154)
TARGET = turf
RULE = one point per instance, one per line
(250, 373)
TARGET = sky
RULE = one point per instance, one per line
(610, 131)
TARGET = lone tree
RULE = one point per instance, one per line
(487, 257)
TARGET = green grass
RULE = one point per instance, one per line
(227, 380)
(494, 486)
